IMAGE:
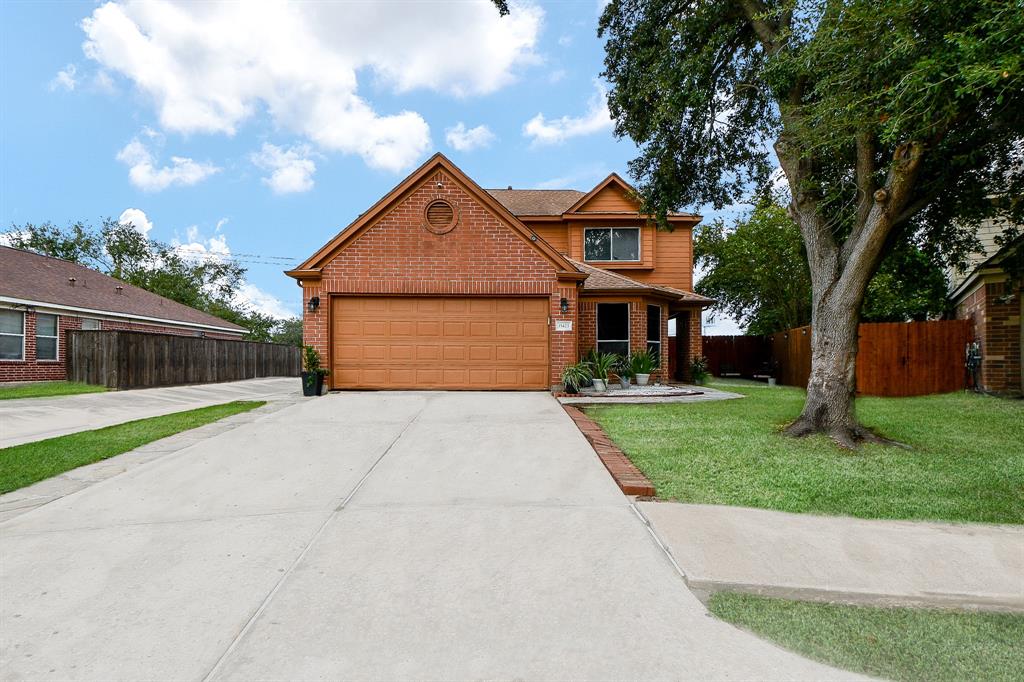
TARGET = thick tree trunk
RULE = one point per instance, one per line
(831, 386)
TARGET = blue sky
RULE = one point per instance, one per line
(263, 131)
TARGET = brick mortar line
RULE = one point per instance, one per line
(625, 474)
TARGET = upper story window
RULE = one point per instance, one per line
(12, 335)
(46, 337)
(611, 244)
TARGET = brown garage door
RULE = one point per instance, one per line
(469, 343)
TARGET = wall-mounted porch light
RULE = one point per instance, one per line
(564, 305)
(313, 304)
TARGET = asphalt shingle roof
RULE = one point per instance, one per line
(32, 277)
(522, 202)
(604, 280)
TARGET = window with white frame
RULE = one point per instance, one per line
(12, 335)
(611, 244)
(91, 324)
(613, 328)
(46, 336)
(654, 331)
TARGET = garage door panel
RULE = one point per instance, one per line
(469, 342)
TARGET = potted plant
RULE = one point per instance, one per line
(699, 369)
(642, 363)
(624, 371)
(575, 377)
(312, 373)
(600, 365)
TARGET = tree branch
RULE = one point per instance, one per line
(754, 11)
(865, 169)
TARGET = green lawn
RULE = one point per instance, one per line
(897, 643)
(966, 461)
(47, 389)
(23, 465)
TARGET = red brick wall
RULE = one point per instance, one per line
(995, 312)
(637, 327)
(31, 369)
(482, 255)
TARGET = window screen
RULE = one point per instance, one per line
(12, 335)
(611, 244)
(654, 331)
(46, 337)
(613, 328)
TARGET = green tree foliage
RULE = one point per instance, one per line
(891, 120)
(288, 331)
(119, 250)
(758, 274)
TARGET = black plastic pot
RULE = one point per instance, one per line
(312, 383)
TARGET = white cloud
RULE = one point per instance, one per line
(291, 170)
(565, 40)
(65, 78)
(557, 76)
(137, 218)
(556, 131)
(144, 173)
(208, 67)
(465, 139)
(199, 248)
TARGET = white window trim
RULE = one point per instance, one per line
(22, 358)
(56, 357)
(639, 245)
(597, 326)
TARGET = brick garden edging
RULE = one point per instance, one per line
(630, 479)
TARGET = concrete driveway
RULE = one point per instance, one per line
(364, 536)
(30, 419)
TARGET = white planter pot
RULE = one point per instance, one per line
(771, 381)
(642, 379)
(600, 385)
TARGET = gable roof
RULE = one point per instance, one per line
(535, 202)
(612, 179)
(29, 278)
(310, 267)
(599, 280)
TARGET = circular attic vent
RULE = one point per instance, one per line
(440, 217)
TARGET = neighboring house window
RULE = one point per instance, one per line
(611, 244)
(46, 337)
(613, 328)
(12, 335)
(654, 331)
(90, 324)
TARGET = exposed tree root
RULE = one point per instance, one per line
(848, 437)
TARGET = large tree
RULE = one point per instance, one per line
(208, 283)
(756, 270)
(887, 119)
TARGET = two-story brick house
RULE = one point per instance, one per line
(442, 284)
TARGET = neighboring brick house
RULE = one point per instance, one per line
(42, 298)
(994, 302)
(442, 284)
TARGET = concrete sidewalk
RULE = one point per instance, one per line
(843, 559)
(30, 419)
(371, 536)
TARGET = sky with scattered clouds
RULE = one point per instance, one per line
(258, 131)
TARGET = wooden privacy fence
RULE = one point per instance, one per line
(893, 358)
(742, 356)
(129, 359)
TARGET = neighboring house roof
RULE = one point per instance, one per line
(29, 278)
(309, 269)
(599, 280)
(526, 202)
